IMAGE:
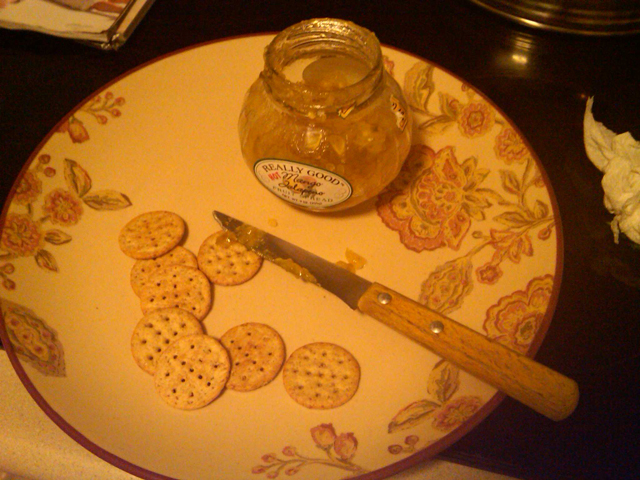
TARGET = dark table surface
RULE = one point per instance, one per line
(595, 334)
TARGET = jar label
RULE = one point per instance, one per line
(301, 184)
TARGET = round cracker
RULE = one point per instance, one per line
(321, 375)
(151, 234)
(142, 270)
(180, 287)
(226, 261)
(155, 332)
(257, 353)
(192, 372)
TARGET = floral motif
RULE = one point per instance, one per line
(413, 414)
(7, 269)
(23, 235)
(509, 147)
(338, 449)
(435, 208)
(410, 443)
(476, 119)
(489, 273)
(435, 202)
(443, 409)
(324, 435)
(456, 412)
(511, 244)
(76, 130)
(447, 286)
(63, 207)
(32, 339)
(29, 188)
(98, 108)
(345, 446)
(515, 319)
(419, 86)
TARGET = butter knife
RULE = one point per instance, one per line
(531, 383)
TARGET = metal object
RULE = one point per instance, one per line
(584, 17)
(384, 298)
(436, 327)
(537, 386)
(347, 286)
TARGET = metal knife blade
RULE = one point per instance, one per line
(544, 390)
(347, 286)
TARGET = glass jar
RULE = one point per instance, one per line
(325, 127)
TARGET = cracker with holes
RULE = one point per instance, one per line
(156, 331)
(180, 287)
(257, 353)
(142, 270)
(151, 234)
(321, 375)
(226, 261)
(192, 372)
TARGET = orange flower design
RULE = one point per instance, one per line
(339, 451)
(476, 119)
(515, 319)
(324, 435)
(346, 446)
(489, 273)
(28, 189)
(63, 207)
(456, 412)
(433, 200)
(445, 289)
(21, 235)
(77, 131)
(510, 148)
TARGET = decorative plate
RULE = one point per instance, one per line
(470, 228)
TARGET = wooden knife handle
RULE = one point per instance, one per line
(531, 383)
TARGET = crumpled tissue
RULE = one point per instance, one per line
(618, 157)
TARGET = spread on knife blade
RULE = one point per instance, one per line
(295, 269)
(252, 238)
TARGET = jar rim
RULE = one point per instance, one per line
(329, 32)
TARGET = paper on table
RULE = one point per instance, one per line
(106, 23)
(618, 157)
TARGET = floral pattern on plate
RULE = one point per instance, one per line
(513, 321)
(25, 234)
(442, 202)
(339, 451)
(470, 216)
(437, 199)
(33, 340)
(100, 108)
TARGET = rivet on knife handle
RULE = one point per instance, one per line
(544, 390)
